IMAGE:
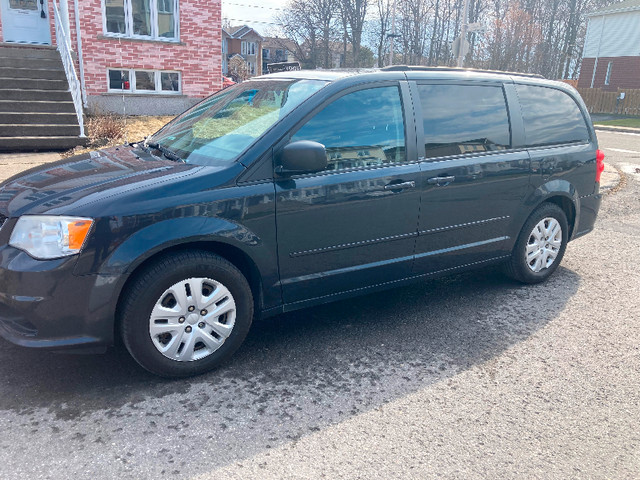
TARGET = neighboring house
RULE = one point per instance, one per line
(611, 55)
(247, 43)
(277, 50)
(152, 57)
(336, 55)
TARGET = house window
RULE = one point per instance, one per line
(154, 19)
(265, 53)
(119, 80)
(251, 67)
(607, 77)
(248, 48)
(144, 81)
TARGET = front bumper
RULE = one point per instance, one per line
(44, 305)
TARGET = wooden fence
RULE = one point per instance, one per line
(599, 101)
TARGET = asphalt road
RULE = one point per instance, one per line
(472, 376)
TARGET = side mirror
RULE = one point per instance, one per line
(303, 156)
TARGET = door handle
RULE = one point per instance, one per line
(400, 186)
(441, 181)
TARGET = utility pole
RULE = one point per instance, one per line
(393, 31)
(463, 34)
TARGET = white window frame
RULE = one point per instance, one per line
(607, 77)
(132, 82)
(248, 48)
(128, 19)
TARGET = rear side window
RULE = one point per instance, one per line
(461, 119)
(551, 116)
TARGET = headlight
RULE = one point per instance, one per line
(45, 237)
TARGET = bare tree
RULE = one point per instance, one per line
(537, 36)
(354, 14)
(382, 28)
(311, 25)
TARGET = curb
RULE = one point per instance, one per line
(608, 128)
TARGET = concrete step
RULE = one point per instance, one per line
(40, 143)
(16, 50)
(22, 62)
(39, 130)
(32, 73)
(49, 118)
(33, 84)
(27, 106)
(46, 95)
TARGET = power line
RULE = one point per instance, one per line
(253, 6)
(252, 21)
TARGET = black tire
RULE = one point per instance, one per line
(151, 285)
(517, 267)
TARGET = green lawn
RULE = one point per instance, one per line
(621, 122)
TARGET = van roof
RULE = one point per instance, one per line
(410, 72)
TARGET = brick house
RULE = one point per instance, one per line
(132, 56)
(611, 55)
(247, 43)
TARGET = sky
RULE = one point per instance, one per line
(258, 14)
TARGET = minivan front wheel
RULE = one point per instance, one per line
(186, 313)
(540, 245)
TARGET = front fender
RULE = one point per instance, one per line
(160, 236)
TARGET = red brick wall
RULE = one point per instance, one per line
(625, 73)
(198, 56)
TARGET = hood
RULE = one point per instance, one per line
(54, 185)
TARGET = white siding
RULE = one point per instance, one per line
(620, 37)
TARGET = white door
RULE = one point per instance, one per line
(22, 21)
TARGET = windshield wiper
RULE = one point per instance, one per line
(166, 152)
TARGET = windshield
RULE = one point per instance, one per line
(217, 130)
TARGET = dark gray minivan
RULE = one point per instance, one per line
(291, 190)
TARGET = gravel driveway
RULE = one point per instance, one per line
(472, 376)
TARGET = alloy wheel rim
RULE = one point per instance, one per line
(192, 319)
(543, 246)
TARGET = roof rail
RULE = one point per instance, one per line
(421, 68)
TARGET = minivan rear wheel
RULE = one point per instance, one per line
(186, 313)
(540, 246)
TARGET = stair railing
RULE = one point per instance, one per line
(64, 47)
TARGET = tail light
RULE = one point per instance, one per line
(599, 164)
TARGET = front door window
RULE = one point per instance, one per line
(23, 4)
(361, 129)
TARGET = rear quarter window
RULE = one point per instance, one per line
(551, 117)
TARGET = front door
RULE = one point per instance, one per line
(355, 224)
(26, 21)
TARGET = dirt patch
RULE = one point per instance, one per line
(110, 130)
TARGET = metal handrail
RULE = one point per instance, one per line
(64, 47)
